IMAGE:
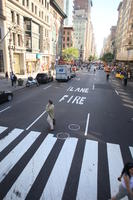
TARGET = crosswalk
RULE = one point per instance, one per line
(20, 173)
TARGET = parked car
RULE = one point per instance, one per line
(44, 77)
(5, 96)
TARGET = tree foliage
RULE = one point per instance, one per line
(108, 57)
(92, 58)
(69, 54)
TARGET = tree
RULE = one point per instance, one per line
(70, 54)
(108, 57)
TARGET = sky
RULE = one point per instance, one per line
(104, 14)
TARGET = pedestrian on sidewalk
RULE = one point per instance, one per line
(6, 75)
(15, 79)
(12, 78)
(126, 186)
(50, 117)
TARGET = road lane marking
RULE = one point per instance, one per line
(131, 150)
(16, 154)
(88, 177)
(87, 124)
(47, 87)
(117, 92)
(35, 120)
(2, 129)
(10, 137)
(5, 109)
(114, 159)
(27, 177)
(56, 183)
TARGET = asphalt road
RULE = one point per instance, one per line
(96, 117)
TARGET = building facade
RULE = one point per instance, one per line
(124, 32)
(82, 5)
(67, 37)
(83, 29)
(26, 35)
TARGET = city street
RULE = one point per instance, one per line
(84, 155)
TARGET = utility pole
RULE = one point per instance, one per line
(10, 51)
(10, 47)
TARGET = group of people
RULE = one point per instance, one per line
(13, 78)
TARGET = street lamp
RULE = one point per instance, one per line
(10, 47)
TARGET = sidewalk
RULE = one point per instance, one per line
(5, 84)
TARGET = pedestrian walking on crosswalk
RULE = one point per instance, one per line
(126, 186)
(50, 111)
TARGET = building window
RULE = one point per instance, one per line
(1, 61)
(18, 20)
(27, 3)
(68, 39)
(14, 41)
(12, 16)
(19, 40)
(47, 19)
(32, 7)
(42, 14)
(35, 9)
(23, 2)
(47, 6)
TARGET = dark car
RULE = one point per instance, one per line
(44, 78)
(5, 96)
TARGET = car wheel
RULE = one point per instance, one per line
(9, 97)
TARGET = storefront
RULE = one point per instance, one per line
(16, 63)
(31, 63)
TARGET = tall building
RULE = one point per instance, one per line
(68, 9)
(82, 5)
(67, 37)
(83, 29)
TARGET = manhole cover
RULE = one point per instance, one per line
(62, 135)
(74, 127)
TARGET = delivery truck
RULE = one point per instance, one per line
(63, 72)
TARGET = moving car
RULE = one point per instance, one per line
(44, 77)
(5, 96)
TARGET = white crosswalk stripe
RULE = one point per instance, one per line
(2, 129)
(16, 154)
(9, 138)
(131, 150)
(87, 186)
(88, 176)
(31, 171)
(114, 159)
(58, 177)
